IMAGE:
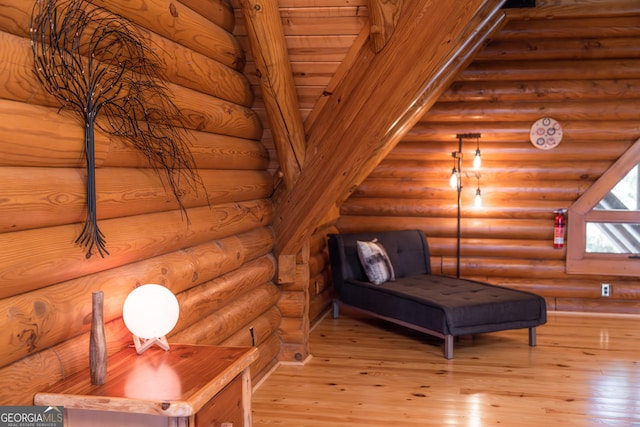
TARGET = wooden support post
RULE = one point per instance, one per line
(294, 306)
(286, 268)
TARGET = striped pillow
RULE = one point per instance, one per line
(375, 261)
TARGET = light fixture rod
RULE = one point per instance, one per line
(459, 188)
(468, 135)
(457, 155)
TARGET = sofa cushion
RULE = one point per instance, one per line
(407, 249)
(375, 261)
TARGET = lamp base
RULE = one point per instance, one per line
(143, 344)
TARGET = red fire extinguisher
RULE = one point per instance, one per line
(559, 224)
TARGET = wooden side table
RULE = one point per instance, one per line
(187, 386)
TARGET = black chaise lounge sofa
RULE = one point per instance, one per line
(438, 305)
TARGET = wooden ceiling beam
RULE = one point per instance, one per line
(376, 103)
(269, 49)
(384, 16)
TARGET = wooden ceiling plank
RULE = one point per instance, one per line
(377, 102)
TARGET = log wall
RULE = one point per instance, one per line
(579, 64)
(219, 264)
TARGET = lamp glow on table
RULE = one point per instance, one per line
(150, 312)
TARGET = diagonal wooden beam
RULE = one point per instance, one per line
(269, 49)
(384, 16)
(378, 101)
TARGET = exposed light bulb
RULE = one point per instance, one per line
(477, 161)
(477, 202)
(453, 181)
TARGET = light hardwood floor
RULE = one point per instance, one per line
(585, 371)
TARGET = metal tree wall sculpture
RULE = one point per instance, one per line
(95, 62)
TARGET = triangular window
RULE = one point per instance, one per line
(617, 238)
(604, 224)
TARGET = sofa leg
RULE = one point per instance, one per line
(532, 337)
(336, 310)
(448, 346)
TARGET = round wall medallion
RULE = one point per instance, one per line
(546, 133)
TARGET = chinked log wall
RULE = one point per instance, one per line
(219, 265)
(579, 65)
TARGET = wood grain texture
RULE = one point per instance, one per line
(212, 329)
(42, 197)
(571, 60)
(187, 378)
(319, 37)
(180, 66)
(15, 17)
(418, 155)
(225, 245)
(525, 229)
(184, 26)
(57, 138)
(292, 330)
(509, 209)
(209, 114)
(368, 373)
(208, 297)
(49, 365)
(97, 340)
(37, 320)
(294, 306)
(263, 367)
(171, 20)
(266, 37)
(70, 356)
(210, 151)
(571, 48)
(608, 109)
(588, 22)
(502, 130)
(510, 192)
(264, 327)
(219, 12)
(319, 303)
(317, 20)
(374, 82)
(201, 111)
(550, 9)
(27, 262)
(383, 16)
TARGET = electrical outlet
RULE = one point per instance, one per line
(606, 290)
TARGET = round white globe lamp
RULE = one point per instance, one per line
(150, 312)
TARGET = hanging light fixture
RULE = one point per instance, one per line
(456, 172)
(455, 181)
(477, 161)
(477, 202)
